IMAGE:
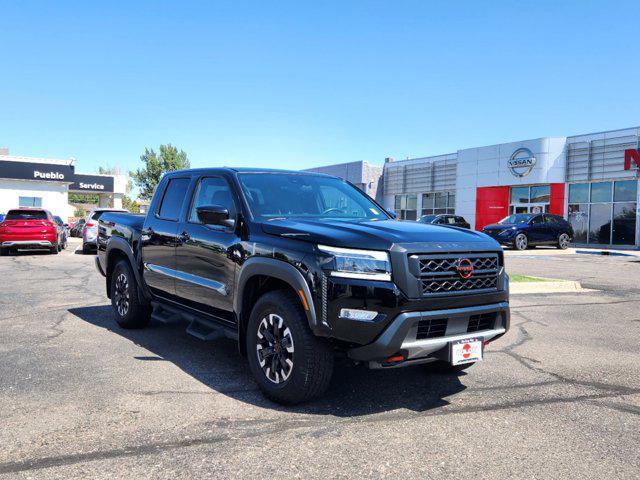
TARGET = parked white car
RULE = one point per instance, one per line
(90, 228)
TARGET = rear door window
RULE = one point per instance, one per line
(26, 215)
(173, 198)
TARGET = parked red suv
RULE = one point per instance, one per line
(33, 228)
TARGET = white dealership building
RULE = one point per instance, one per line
(590, 179)
(46, 183)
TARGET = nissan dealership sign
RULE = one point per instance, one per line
(521, 162)
(48, 172)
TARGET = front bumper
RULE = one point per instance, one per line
(400, 337)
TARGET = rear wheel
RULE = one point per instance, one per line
(521, 242)
(128, 310)
(563, 241)
(4, 251)
(290, 364)
(86, 249)
(55, 249)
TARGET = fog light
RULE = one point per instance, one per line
(353, 314)
(395, 359)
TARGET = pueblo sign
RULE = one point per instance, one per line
(630, 155)
(51, 172)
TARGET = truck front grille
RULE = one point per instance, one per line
(439, 274)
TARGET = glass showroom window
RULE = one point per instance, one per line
(603, 213)
(534, 199)
(406, 207)
(29, 201)
(438, 202)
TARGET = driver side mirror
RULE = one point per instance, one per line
(214, 215)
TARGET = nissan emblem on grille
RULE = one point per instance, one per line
(464, 268)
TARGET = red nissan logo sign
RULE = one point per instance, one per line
(631, 155)
(464, 268)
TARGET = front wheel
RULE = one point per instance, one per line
(521, 242)
(128, 310)
(290, 364)
(563, 241)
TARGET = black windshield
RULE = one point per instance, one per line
(517, 218)
(26, 215)
(286, 195)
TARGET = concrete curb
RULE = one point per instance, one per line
(559, 286)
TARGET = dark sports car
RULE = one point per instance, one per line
(524, 230)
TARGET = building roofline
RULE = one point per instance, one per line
(51, 161)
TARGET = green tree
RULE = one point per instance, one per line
(156, 165)
(130, 204)
(83, 198)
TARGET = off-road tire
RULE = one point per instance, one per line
(312, 356)
(134, 315)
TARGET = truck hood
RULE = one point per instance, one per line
(375, 235)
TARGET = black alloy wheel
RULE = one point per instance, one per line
(275, 348)
(122, 295)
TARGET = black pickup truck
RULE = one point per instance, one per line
(298, 268)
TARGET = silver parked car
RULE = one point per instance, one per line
(90, 228)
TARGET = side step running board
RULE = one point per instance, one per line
(200, 326)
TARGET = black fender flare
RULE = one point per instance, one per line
(281, 270)
(121, 245)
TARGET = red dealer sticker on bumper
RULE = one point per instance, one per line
(466, 351)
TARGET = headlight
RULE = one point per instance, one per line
(365, 264)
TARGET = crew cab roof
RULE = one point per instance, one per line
(243, 170)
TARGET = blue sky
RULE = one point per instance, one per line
(302, 84)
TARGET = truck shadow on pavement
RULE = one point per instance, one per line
(354, 390)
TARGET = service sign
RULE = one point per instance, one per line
(91, 183)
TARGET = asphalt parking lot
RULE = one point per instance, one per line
(557, 397)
